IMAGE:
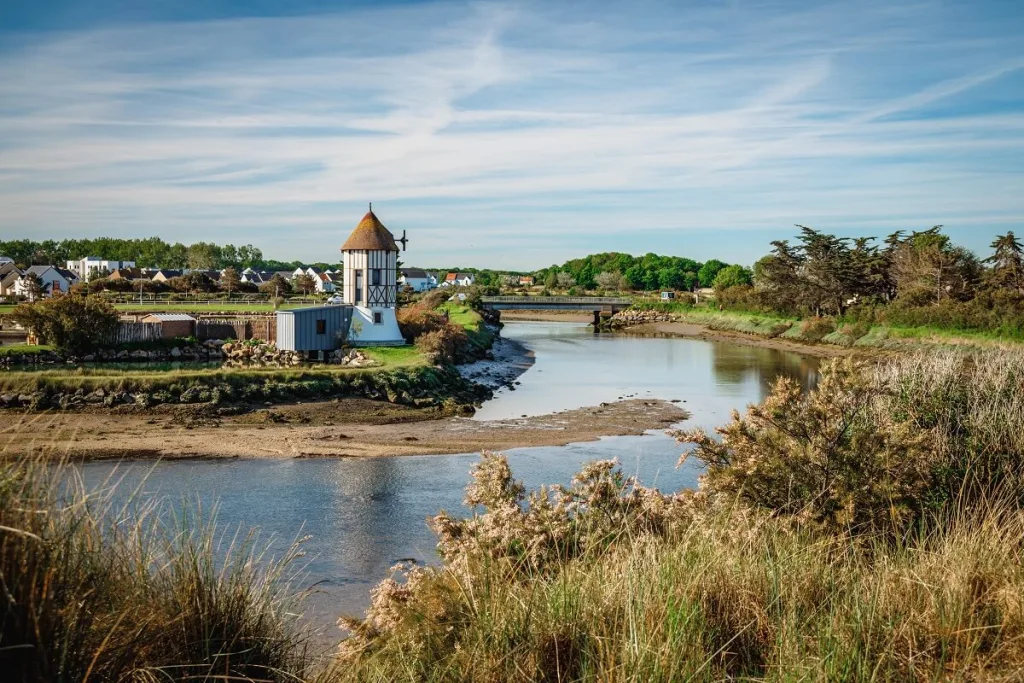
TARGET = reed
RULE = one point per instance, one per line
(100, 590)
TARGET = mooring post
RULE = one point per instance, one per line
(597, 321)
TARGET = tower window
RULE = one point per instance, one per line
(375, 277)
(377, 318)
(321, 327)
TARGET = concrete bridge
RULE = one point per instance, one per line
(599, 305)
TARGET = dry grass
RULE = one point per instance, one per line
(95, 590)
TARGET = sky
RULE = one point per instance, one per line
(511, 134)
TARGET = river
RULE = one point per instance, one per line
(363, 515)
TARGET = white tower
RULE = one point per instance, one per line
(370, 255)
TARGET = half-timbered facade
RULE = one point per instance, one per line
(370, 257)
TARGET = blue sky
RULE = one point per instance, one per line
(511, 134)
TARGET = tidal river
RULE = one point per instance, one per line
(365, 514)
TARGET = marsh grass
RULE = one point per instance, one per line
(100, 590)
(609, 581)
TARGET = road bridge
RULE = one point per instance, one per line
(599, 305)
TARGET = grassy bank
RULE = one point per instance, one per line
(23, 349)
(471, 321)
(828, 330)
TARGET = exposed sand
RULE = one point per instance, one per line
(694, 331)
(351, 427)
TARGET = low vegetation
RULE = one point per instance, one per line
(871, 530)
(88, 597)
(73, 325)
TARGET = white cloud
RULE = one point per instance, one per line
(504, 121)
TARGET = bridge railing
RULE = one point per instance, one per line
(611, 300)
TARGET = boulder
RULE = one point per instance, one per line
(175, 352)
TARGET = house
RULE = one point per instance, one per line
(327, 283)
(417, 278)
(314, 329)
(56, 281)
(257, 277)
(173, 325)
(128, 274)
(4, 260)
(165, 274)
(9, 274)
(91, 266)
(458, 280)
(526, 281)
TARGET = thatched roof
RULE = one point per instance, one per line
(371, 235)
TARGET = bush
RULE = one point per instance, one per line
(415, 321)
(445, 345)
(74, 325)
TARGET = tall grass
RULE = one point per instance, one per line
(873, 530)
(94, 590)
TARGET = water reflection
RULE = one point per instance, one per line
(364, 515)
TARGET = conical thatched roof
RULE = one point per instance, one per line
(370, 234)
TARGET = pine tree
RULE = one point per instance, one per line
(1007, 262)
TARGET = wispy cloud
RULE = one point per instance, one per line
(480, 126)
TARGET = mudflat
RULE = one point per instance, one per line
(347, 427)
(695, 331)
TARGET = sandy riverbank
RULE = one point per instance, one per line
(350, 427)
(692, 331)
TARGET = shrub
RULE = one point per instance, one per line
(74, 325)
(834, 457)
(414, 322)
(444, 345)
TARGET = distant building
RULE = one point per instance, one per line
(165, 274)
(418, 279)
(129, 274)
(56, 281)
(9, 274)
(526, 281)
(5, 260)
(90, 266)
(458, 280)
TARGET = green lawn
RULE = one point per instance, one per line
(396, 356)
(6, 309)
(23, 348)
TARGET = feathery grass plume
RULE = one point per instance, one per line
(94, 590)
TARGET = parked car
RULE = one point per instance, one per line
(668, 296)
(335, 300)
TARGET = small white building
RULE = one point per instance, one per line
(370, 286)
(88, 267)
(418, 279)
(458, 280)
(55, 281)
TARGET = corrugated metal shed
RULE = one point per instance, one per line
(318, 328)
(169, 317)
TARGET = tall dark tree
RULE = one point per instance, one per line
(1007, 262)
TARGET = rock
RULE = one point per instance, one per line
(139, 355)
(9, 400)
(175, 352)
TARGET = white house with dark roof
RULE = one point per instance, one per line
(370, 255)
(56, 281)
(417, 278)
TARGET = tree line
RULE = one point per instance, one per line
(916, 278)
(148, 252)
(617, 271)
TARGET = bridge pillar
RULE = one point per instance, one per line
(597, 321)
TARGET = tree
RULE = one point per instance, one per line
(707, 272)
(304, 283)
(732, 276)
(203, 256)
(32, 285)
(565, 280)
(928, 268)
(551, 280)
(74, 325)
(276, 286)
(1007, 262)
(609, 281)
(230, 280)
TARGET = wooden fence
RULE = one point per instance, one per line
(264, 328)
(129, 333)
